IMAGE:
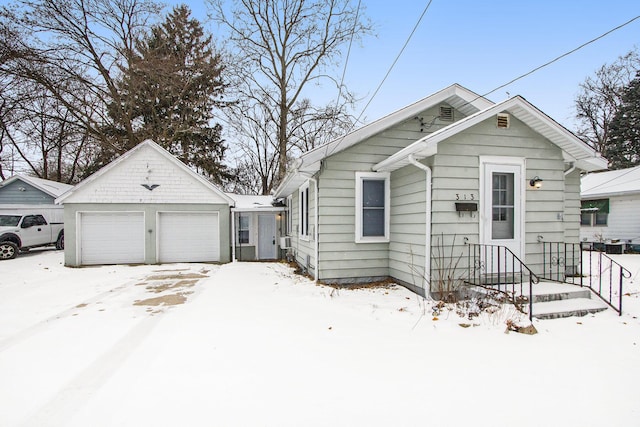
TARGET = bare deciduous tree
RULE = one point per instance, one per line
(279, 48)
(600, 97)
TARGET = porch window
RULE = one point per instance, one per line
(502, 206)
(372, 207)
(304, 211)
(594, 212)
(243, 229)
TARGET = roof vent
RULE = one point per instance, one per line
(503, 120)
(446, 113)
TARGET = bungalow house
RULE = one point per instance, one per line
(405, 195)
(146, 207)
(610, 205)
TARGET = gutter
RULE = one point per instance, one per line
(427, 247)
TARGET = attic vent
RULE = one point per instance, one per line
(446, 113)
(503, 121)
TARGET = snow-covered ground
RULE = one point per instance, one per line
(252, 344)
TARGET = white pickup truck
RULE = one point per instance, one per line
(21, 232)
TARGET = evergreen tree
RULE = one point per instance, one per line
(174, 86)
(624, 132)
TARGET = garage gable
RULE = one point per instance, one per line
(146, 174)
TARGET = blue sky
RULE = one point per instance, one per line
(482, 45)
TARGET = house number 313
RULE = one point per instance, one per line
(465, 196)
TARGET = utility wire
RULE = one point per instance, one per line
(385, 76)
(558, 58)
(346, 62)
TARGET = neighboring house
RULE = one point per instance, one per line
(401, 196)
(610, 206)
(256, 228)
(26, 194)
(146, 207)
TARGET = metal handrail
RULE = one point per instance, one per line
(568, 259)
(494, 267)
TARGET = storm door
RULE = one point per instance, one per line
(502, 212)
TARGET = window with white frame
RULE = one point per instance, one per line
(304, 211)
(243, 228)
(289, 214)
(372, 207)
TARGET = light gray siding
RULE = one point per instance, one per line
(304, 247)
(622, 221)
(572, 207)
(341, 258)
(19, 192)
(408, 227)
(456, 176)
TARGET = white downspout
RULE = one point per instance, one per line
(315, 229)
(427, 246)
(233, 236)
(571, 169)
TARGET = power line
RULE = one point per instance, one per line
(558, 58)
(386, 75)
(346, 62)
(395, 61)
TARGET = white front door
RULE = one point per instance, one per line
(502, 212)
(266, 237)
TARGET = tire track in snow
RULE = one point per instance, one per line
(75, 394)
(32, 330)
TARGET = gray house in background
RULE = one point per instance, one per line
(27, 194)
(401, 196)
(146, 207)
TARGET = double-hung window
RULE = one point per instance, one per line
(372, 207)
(289, 214)
(303, 194)
(243, 229)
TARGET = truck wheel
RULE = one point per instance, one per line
(8, 250)
(60, 241)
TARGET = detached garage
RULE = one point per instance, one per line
(146, 207)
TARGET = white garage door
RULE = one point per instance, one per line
(111, 238)
(188, 237)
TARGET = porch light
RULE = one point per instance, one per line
(536, 182)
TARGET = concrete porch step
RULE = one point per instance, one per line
(556, 309)
(551, 291)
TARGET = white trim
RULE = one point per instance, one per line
(519, 202)
(360, 177)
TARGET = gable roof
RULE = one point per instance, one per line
(611, 183)
(460, 98)
(52, 188)
(573, 148)
(163, 153)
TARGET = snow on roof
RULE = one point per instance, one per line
(52, 188)
(252, 202)
(611, 183)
